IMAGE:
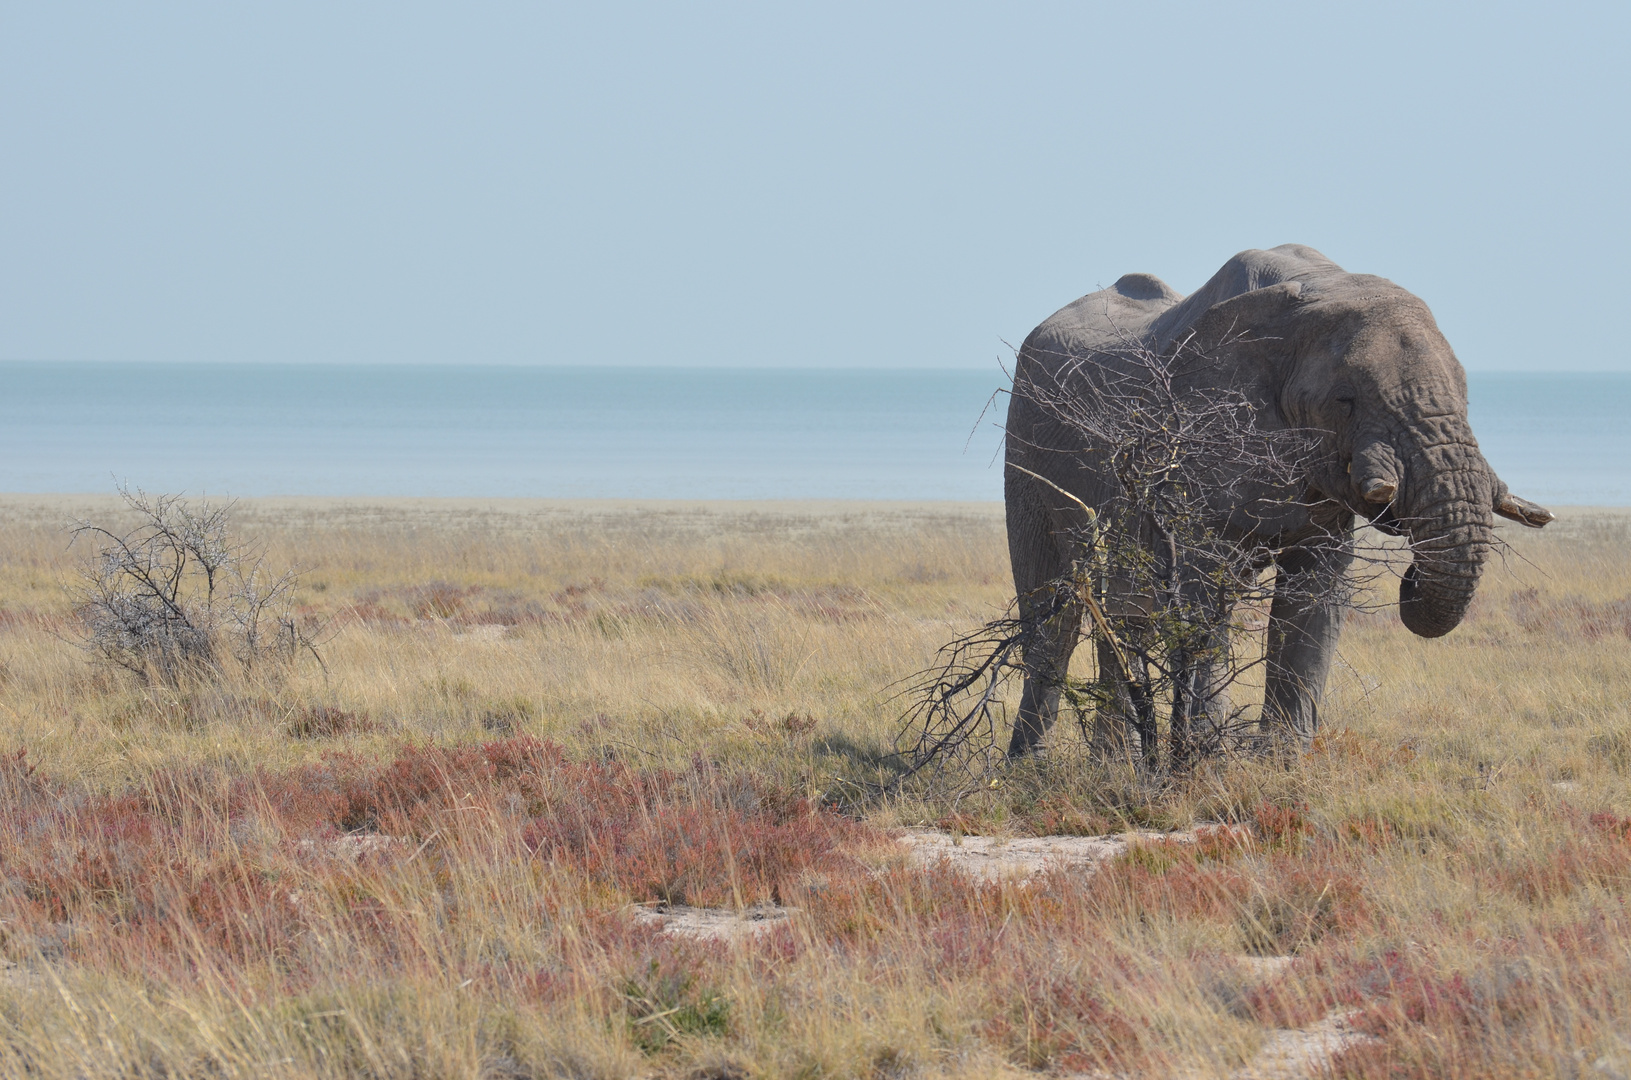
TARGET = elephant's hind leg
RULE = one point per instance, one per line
(1048, 607)
(1053, 624)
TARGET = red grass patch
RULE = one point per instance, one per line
(1298, 903)
(1220, 843)
(1282, 827)
(1572, 863)
(1612, 825)
(1518, 1007)
(201, 864)
(1059, 817)
(1061, 1024)
(1286, 1002)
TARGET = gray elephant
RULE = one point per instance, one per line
(1351, 358)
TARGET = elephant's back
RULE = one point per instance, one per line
(1067, 358)
(1144, 309)
(1074, 341)
(1057, 365)
(1100, 320)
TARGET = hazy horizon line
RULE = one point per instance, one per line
(614, 366)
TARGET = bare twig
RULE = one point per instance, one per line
(176, 595)
(1169, 553)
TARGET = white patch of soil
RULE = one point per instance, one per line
(1305, 1052)
(715, 924)
(352, 845)
(1021, 858)
(1265, 967)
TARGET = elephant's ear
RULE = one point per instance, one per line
(1248, 339)
(1246, 322)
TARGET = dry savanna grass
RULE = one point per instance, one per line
(428, 860)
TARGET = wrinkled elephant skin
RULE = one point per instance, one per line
(1352, 357)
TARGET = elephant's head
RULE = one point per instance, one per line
(1362, 362)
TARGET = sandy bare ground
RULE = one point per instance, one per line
(718, 924)
(1021, 858)
(990, 858)
(1292, 1054)
(1286, 1054)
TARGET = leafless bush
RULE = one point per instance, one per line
(1175, 559)
(177, 596)
(957, 709)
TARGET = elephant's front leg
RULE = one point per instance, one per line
(1305, 621)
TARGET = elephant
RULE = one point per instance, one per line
(1352, 359)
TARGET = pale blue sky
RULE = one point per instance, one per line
(820, 184)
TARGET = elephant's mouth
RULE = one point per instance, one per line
(1386, 521)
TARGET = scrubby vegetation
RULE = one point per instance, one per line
(174, 594)
(427, 860)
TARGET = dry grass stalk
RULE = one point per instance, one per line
(567, 740)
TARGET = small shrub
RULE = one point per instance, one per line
(179, 596)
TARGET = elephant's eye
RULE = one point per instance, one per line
(1347, 404)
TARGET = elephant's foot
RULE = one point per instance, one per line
(1038, 708)
(1027, 738)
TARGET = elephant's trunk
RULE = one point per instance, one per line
(1450, 522)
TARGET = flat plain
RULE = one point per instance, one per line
(592, 790)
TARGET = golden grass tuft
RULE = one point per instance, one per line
(538, 715)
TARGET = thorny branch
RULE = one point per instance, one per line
(1176, 557)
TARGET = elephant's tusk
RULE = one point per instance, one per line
(1380, 491)
(1523, 511)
